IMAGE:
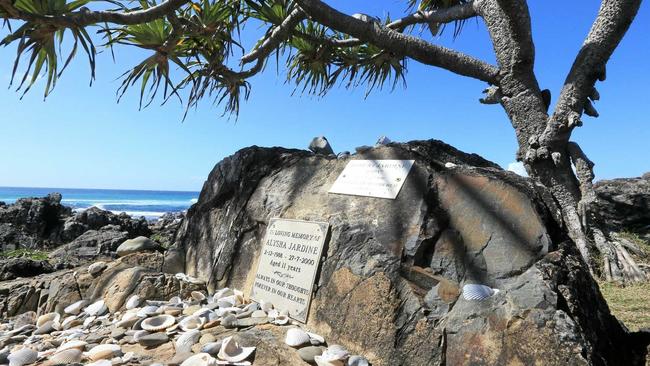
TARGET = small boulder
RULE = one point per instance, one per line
(139, 244)
(320, 145)
(96, 268)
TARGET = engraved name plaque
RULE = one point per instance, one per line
(373, 178)
(288, 263)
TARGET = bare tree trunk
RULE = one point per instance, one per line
(575, 195)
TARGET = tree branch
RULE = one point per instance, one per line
(86, 17)
(400, 44)
(611, 24)
(279, 34)
(446, 15)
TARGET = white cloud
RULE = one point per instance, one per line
(518, 168)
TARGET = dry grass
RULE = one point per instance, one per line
(630, 304)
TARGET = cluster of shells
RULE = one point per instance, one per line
(55, 339)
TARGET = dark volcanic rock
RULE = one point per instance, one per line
(23, 267)
(448, 227)
(95, 218)
(32, 222)
(165, 228)
(624, 203)
(91, 244)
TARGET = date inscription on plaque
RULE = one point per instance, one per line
(373, 178)
(288, 263)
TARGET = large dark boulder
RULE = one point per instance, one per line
(32, 222)
(392, 270)
(624, 203)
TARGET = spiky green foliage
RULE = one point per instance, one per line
(193, 53)
(40, 45)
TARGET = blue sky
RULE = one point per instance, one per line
(81, 138)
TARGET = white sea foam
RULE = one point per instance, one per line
(98, 202)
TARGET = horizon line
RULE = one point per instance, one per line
(104, 189)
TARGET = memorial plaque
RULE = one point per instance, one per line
(288, 264)
(372, 178)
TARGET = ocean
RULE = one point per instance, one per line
(150, 204)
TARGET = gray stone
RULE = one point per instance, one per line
(96, 268)
(91, 244)
(357, 361)
(174, 261)
(229, 321)
(249, 322)
(118, 333)
(320, 145)
(139, 244)
(307, 354)
(153, 340)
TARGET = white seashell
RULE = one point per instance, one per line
(211, 348)
(158, 323)
(186, 340)
(222, 293)
(104, 352)
(147, 311)
(313, 337)
(266, 306)
(96, 308)
(281, 320)
(133, 302)
(335, 352)
(65, 357)
(80, 345)
(273, 313)
(251, 307)
(24, 356)
(171, 330)
(258, 314)
(71, 321)
(477, 292)
(197, 296)
(203, 313)
(175, 300)
(139, 334)
(358, 361)
(89, 321)
(296, 337)
(200, 359)
(100, 363)
(191, 323)
(231, 351)
(227, 310)
(320, 361)
(46, 318)
(75, 307)
(450, 165)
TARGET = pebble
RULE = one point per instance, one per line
(96, 268)
(308, 353)
(249, 322)
(191, 309)
(229, 321)
(118, 333)
(207, 338)
(153, 340)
